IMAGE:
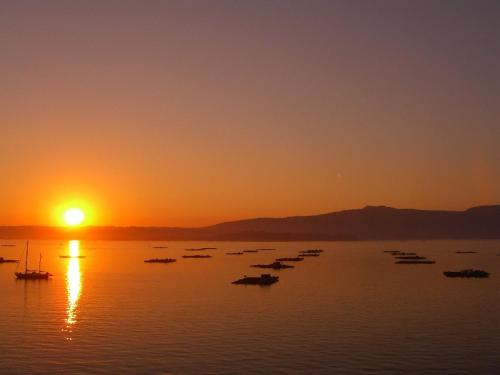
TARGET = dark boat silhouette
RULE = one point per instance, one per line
(159, 260)
(265, 249)
(201, 248)
(415, 262)
(197, 256)
(7, 245)
(413, 257)
(308, 255)
(32, 274)
(250, 251)
(467, 273)
(235, 253)
(72, 256)
(3, 260)
(298, 259)
(392, 251)
(274, 266)
(159, 247)
(264, 279)
(465, 252)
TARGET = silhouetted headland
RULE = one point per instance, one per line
(369, 223)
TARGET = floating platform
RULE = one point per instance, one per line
(298, 259)
(264, 279)
(480, 274)
(3, 260)
(274, 266)
(311, 251)
(158, 260)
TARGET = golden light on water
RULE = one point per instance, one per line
(73, 284)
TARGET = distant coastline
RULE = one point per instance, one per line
(368, 223)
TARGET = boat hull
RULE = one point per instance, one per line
(32, 275)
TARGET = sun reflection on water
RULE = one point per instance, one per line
(73, 285)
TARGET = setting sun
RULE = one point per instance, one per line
(73, 216)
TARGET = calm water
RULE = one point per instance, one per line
(351, 310)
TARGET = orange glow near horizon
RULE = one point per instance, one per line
(147, 124)
(74, 213)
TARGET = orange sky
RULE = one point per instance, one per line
(183, 114)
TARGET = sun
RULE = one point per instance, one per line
(73, 216)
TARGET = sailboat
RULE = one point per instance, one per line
(32, 274)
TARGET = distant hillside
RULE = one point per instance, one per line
(369, 223)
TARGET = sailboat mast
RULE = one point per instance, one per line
(26, 260)
(40, 263)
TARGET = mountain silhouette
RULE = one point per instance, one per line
(368, 223)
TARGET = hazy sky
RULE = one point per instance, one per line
(193, 112)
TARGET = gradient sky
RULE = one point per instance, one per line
(194, 112)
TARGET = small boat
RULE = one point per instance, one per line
(308, 255)
(264, 279)
(402, 254)
(298, 259)
(413, 257)
(32, 274)
(158, 260)
(72, 256)
(250, 251)
(311, 251)
(3, 260)
(265, 249)
(273, 265)
(392, 251)
(197, 256)
(467, 273)
(159, 247)
(235, 253)
(201, 248)
(466, 252)
(7, 245)
(415, 262)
